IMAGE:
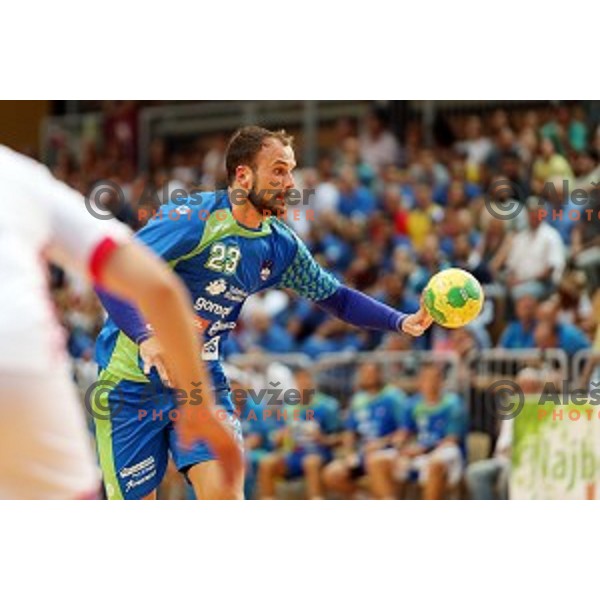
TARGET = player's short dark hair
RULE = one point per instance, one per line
(246, 143)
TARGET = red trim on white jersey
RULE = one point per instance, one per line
(99, 257)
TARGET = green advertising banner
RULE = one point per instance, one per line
(556, 452)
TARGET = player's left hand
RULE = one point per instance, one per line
(417, 323)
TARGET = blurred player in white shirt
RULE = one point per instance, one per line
(45, 451)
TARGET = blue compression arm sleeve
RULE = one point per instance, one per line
(125, 317)
(361, 310)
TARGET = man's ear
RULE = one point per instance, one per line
(244, 176)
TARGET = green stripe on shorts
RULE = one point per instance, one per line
(104, 441)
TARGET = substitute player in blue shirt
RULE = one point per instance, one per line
(303, 442)
(225, 247)
(376, 413)
(430, 444)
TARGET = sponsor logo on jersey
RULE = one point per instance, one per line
(236, 294)
(210, 350)
(265, 269)
(201, 324)
(139, 468)
(216, 287)
(221, 326)
(212, 307)
(136, 482)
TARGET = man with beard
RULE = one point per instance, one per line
(225, 246)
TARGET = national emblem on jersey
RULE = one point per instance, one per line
(266, 269)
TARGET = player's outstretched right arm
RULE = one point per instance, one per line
(135, 274)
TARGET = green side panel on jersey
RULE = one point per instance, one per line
(124, 360)
(104, 442)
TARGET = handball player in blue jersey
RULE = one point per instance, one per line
(376, 414)
(430, 446)
(225, 246)
(303, 443)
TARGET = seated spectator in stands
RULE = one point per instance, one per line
(550, 163)
(395, 210)
(430, 261)
(458, 174)
(574, 302)
(393, 292)
(518, 334)
(560, 211)
(587, 170)
(333, 336)
(490, 253)
(329, 247)
(475, 146)
(303, 445)
(428, 170)
(513, 168)
(363, 270)
(430, 443)
(457, 197)
(267, 335)
(536, 258)
(566, 132)
(549, 333)
(488, 479)
(378, 145)
(505, 145)
(375, 414)
(327, 194)
(403, 261)
(423, 216)
(351, 157)
(506, 200)
(464, 256)
(356, 201)
(298, 315)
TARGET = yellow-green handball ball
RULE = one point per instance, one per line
(453, 298)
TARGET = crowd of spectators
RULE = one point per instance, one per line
(385, 213)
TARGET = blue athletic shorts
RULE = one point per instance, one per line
(293, 461)
(135, 432)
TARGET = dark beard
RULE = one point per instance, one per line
(258, 199)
